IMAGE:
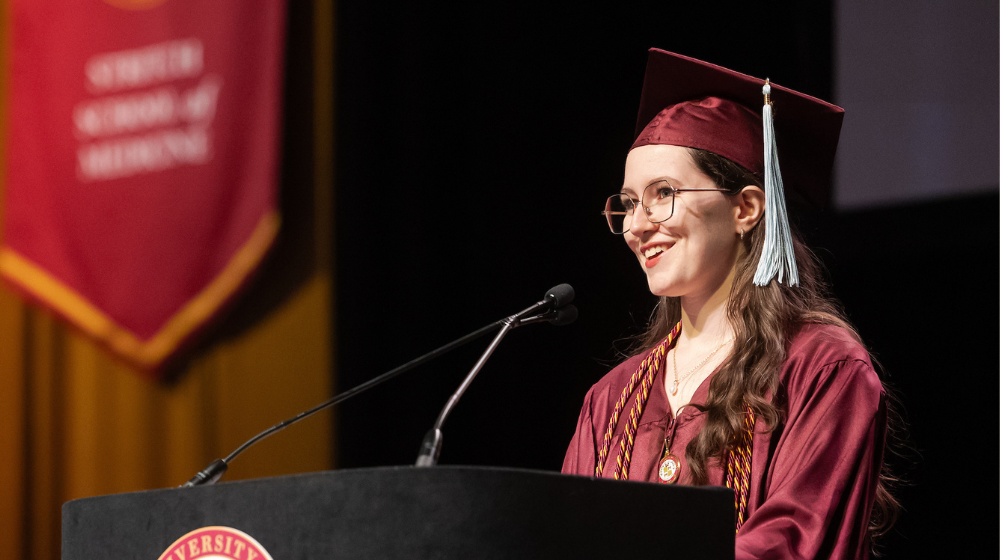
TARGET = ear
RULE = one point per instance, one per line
(748, 208)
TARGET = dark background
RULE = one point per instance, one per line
(476, 143)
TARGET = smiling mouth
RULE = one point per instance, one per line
(654, 251)
(651, 255)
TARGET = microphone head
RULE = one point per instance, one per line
(565, 315)
(561, 295)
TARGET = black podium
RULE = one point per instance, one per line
(415, 513)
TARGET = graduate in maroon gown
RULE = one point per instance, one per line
(748, 376)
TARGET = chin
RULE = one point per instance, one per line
(659, 287)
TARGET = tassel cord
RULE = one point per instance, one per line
(778, 256)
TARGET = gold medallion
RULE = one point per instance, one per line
(670, 469)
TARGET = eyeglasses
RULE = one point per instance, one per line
(657, 203)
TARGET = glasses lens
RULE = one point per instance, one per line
(618, 211)
(659, 199)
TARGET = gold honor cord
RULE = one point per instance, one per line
(738, 464)
(649, 367)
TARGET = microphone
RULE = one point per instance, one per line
(557, 297)
(552, 311)
(558, 317)
(565, 316)
(561, 295)
(554, 307)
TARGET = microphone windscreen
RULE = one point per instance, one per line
(562, 295)
(565, 315)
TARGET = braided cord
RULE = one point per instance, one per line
(615, 414)
(738, 464)
(628, 438)
(649, 366)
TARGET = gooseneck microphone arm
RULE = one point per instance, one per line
(555, 308)
(216, 468)
(430, 448)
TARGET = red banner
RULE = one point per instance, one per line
(142, 161)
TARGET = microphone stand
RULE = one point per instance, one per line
(430, 448)
(214, 471)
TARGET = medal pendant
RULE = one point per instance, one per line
(673, 388)
(670, 469)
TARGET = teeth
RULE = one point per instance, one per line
(653, 251)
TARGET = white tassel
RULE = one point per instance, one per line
(778, 256)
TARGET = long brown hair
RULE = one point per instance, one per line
(764, 319)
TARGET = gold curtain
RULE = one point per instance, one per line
(74, 422)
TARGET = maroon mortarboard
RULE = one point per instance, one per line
(687, 102)
(720, 110)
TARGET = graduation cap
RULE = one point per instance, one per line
(688, 102)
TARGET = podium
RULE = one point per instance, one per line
(416, 513)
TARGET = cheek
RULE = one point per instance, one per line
(716, 240)
(718, 220)
(722, 248)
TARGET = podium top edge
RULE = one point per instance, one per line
(412, 471)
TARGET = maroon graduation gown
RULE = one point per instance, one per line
(813, 479)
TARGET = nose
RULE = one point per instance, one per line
(640, 222)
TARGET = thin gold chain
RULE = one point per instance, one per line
(677, 381)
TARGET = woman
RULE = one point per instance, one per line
(748, 375)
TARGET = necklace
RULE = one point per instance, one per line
(677, 381)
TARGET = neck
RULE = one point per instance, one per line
(703, 319)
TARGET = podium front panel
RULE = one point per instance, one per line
(416, 513)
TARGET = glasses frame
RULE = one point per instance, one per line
(673, 201)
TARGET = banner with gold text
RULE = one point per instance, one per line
(141, 162)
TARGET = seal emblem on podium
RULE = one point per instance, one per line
(215, 543)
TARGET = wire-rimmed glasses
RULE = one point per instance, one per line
(657, 202)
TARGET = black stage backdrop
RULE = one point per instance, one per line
(476, 143)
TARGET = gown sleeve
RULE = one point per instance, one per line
(824, 467)
(580, 455)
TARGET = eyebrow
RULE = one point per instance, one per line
(670, 180)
